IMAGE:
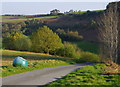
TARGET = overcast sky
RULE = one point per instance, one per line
(28, 7)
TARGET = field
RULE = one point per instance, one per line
(36, 61)
(88, 46)
(11, 54)
(89, 75)
(12, 19)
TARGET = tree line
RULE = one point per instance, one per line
(44, 40)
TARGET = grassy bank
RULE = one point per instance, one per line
(88, 75)
(33, 65)
(88, 46)
(11, 54)
(36, 61)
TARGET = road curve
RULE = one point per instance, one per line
(42, 76)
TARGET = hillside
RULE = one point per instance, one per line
(83, 22)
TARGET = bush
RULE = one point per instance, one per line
(89, 57)
(17, 41)
(0, 43)
(23, 44)
(69, 35)
(69, 50)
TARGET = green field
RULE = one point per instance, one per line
(89, 75)
(36, 61)
(9, 19)
(88, 46)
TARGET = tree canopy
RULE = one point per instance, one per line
(45, 40)
(17, 41)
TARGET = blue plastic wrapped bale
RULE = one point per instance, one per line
(19, 61)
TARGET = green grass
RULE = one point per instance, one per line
(88, 46)
(88, 75)
(7, 19)
(83, 12)
(36, 61)
(76, 13)
(33, 65)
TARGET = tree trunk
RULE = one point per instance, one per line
(118, 60)
(48, 52)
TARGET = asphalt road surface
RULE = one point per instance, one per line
(42, 76)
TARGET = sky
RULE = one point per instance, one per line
(58, 0)
(28, 7)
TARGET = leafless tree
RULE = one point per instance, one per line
(108, 27)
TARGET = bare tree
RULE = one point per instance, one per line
(108, 27)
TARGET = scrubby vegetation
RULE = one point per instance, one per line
(69, 50)
(93, 75)
(90, 57)
(69, 35)
(17, 41)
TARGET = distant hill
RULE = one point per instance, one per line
(83, 22)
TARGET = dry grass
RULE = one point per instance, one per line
(112, 68)
(9, 55)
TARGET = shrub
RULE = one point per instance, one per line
(69, 50)
(0, 43)
(17, 41)
(89, 57)
(23, 43)
(69, 35)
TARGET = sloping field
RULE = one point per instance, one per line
(12, 19)
(11, 54)
(35, 60)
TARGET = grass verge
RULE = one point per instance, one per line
(88, 75)
(36, 61)
(33, 65)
